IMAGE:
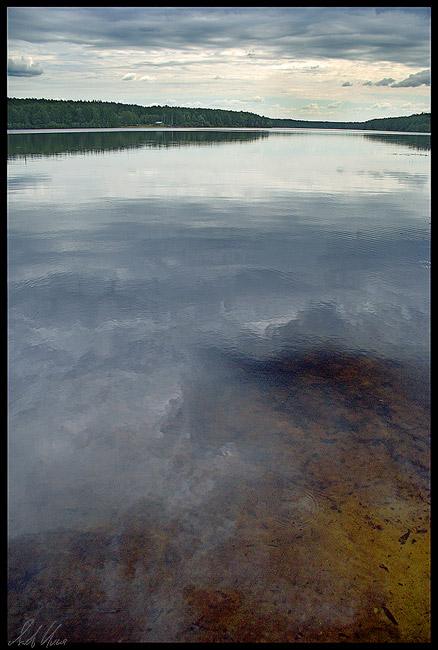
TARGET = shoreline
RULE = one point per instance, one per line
(274, 129)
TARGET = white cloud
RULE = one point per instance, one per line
(130, 76)
(382, 105)
(24, 67)
(313, 107)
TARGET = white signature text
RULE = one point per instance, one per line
(47, 637)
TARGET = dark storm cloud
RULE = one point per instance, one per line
(397, 34)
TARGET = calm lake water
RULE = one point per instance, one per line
(218, 385)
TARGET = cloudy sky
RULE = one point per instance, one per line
(331, 63)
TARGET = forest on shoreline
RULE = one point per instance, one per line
(68, 114)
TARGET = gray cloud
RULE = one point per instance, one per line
(384, 82)
(393, 34)
(23, 67)
(414, 80)
(347, 83)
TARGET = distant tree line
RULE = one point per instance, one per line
(56, 114)
(419, 123)
(68, 114)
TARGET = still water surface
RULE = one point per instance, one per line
(218, 385)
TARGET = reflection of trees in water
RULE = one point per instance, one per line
(49, 144)
(413, 141)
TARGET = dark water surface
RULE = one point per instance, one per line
(219, 386)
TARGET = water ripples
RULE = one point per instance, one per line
(298, 510)
(293, 510)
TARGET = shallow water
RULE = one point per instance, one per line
(218, 386)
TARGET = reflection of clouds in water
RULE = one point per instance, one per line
(223, 394)
(28, 182)
(359, 327)
(401, 177)
(105, 323)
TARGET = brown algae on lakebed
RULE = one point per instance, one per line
(298, 512)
